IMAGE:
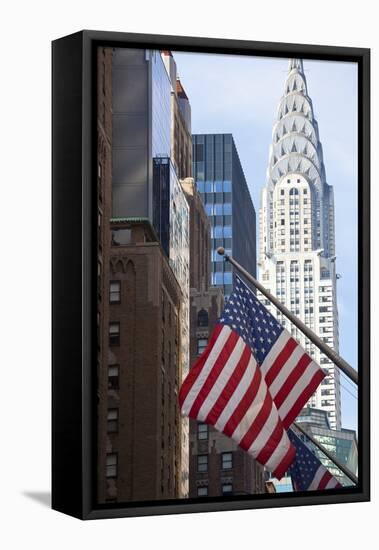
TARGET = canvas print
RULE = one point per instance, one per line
(204, 388)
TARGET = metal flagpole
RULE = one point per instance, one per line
(329, 352)
(342, 467)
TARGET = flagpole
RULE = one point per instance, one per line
(335, 460)
(329, 352)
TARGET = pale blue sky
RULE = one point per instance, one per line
(239, 95)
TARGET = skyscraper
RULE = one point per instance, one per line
(297, 243)
(222, 184)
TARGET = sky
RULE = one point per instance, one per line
(240, 95)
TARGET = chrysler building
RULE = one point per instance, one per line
(297, 260)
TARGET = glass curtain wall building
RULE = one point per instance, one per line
(222, 184)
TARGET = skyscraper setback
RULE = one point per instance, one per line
(297, 242)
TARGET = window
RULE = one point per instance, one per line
(115, 292)
(113, 377)
(202, 491)
(202, 318)
(112, 420)
(114, 334)
(111, 465)
(202, 431)
(227, 488)
(226, 461)
(202, 463)
(201, 345)
(199, 152)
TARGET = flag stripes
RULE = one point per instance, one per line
(291, 377)
(251, 381)
(225, 387)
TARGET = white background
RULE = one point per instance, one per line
(27, 29)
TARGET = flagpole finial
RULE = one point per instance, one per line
(221, 250)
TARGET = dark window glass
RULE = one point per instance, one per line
(227, 488)
(114, 334)
(115, 292)
(202, 318)
(201, 345)
(113, 377)
(111, 465)
(202, 463)
(112, 420)
(202, 431)
(199, 152)
(226, 461)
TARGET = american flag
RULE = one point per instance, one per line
(307, 472)
(251, 381)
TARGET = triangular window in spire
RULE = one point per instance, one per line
(293, 148)
(286, 109)
(284, 130)
(294, 128)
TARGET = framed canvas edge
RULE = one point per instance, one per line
(82, 505)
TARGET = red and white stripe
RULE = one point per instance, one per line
(323, 480)
(291, 377)
(226, 389)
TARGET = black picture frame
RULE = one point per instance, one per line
(74, 272)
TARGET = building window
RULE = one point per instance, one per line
(202, 431)
(114, 334)
(226, 461)
(227, 488)
(202, 318)
(115, 292)
(199, 151)
(112, 420)
(201, 345)
(113, 377)
(111, 465)
(202, 463)
(202, 491)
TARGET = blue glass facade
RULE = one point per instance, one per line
(221, 182)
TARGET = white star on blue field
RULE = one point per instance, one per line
(245, 314)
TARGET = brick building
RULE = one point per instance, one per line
(143, 286)
(104, 206)
(143, 428)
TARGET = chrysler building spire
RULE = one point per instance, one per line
(295, 64)
(297, 244)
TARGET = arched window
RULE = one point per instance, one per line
(294, 191)
(202, 318)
